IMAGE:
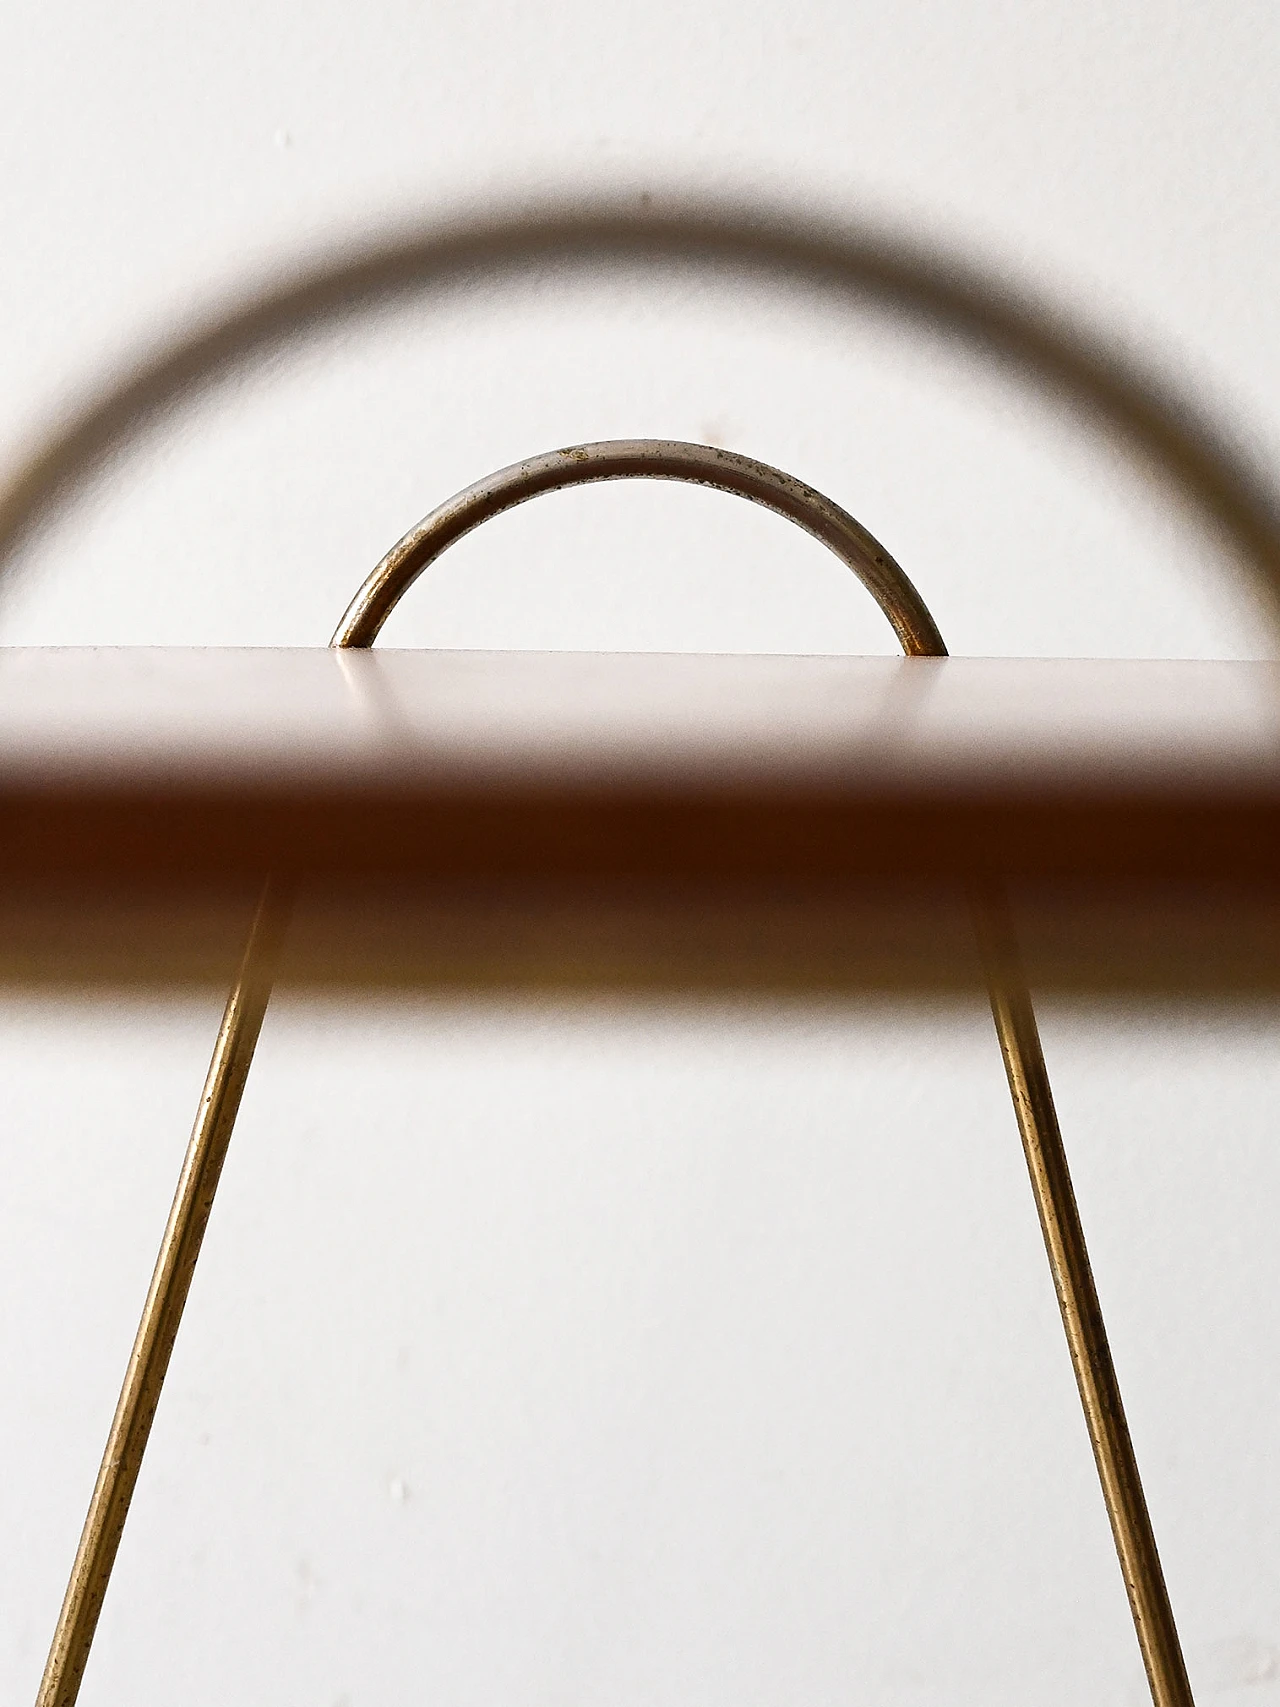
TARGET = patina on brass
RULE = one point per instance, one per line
(648, 459)
(1010, 1004)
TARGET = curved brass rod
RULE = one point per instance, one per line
(1011, 1009)
(846, 261)
(646, 459)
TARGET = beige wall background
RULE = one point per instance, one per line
(552, 1354)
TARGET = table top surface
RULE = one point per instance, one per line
(678, 821)
(178, 717)
(447, 764)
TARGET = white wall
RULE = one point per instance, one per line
(601, 1354)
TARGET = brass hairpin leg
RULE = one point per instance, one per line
(166, 1299)
(1010, 1005)
(1095, 1372)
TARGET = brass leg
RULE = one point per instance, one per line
(1078, 1300)
(162, 1313)
(1059, 1220)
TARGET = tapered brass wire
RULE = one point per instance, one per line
(1010, 1005)
(166, 1298)
(1091, 1359)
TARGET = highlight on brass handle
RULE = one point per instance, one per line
(1010, 1003)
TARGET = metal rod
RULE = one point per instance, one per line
(1091, 1359)
(166, 1299)
(644, 459)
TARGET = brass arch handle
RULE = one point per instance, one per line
(1011, 1009)
(644, 459)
